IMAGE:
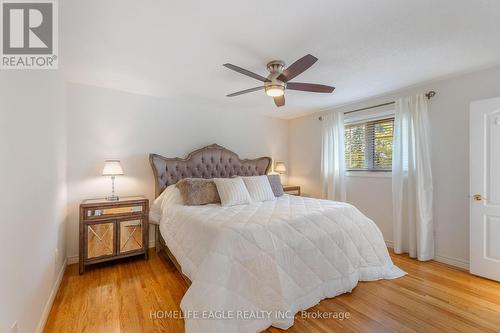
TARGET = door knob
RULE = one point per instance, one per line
(477, 197)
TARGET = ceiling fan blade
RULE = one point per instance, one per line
(297, 68)
(245, 91)
(319, 88)
(246, 72)
(279, 100)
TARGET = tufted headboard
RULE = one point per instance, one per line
(211, 161)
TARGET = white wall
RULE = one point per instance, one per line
(104, 123)
(450, 161)
(32, 195)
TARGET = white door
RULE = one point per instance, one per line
(485, 188)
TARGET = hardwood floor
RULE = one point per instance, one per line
(433, 297)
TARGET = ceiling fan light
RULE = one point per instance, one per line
(275, 91)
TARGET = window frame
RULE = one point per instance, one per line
(369, 144)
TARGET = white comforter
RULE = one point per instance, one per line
(257, 265)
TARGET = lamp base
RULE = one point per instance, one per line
(113, 198)
(281, 177)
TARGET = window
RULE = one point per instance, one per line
(368, 145)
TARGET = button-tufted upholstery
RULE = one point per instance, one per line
(212, 161)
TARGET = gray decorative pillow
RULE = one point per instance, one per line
(276, 186)
(198, 191)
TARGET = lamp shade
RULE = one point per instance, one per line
(112, 168)
(280, 167)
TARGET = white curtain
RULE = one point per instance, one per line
(412, 179)
(332, 156)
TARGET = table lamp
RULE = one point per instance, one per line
(112, 168)
(280, 168)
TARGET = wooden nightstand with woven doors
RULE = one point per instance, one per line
(291, 189)
(111, 230)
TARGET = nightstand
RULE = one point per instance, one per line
(111, 230)
(291, 189)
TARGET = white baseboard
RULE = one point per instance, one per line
(75, 258)
(464, 264)
(460, 263)
(50, 301)
(72, 260)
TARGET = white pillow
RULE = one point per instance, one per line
(232, 191)
(171, 195)
(259, 188)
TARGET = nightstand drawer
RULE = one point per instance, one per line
(110, 211)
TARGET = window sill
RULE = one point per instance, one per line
(370, 174)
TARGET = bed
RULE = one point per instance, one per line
(252, 266)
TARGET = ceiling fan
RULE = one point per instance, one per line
(278, 80)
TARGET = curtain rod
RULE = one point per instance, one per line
(429, 95)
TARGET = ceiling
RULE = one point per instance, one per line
(175, 49)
